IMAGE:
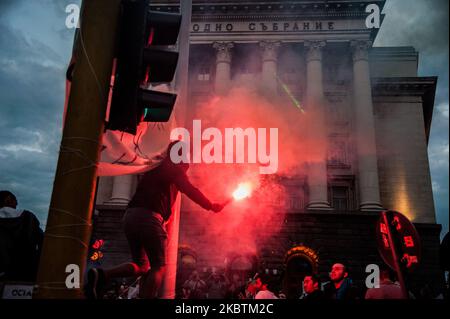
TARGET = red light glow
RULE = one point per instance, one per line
(151, 36)
(409, 241)
(98, 244)
(243, 191)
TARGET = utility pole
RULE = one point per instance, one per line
(68, 231)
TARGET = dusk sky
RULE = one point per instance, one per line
(35, 49)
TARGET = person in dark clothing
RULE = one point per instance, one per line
(340, 287)
(20, 241)
(144, 226)
(311, 287)
(388, 288)
(236, 290)
(194, 287)
(444, 257)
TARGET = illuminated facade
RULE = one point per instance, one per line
(377, 112)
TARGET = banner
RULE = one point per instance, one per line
(124, 153)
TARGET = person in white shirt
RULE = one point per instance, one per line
(262, 288)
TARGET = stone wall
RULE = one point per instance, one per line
(404, 173)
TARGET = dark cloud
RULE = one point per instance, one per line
(423, 24)
(6, 6)
(32, 79)
(31, 87)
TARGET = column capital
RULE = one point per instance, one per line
(223, 51)
(314, 50)
(269, 50)
(360, 49)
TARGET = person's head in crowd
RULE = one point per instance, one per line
(8, 199)
(251, 289)
(253, 286)
(426, 292)
(195, 275)
(386, 274)
(264, 285)
(311, 283)
(338, 273)
(215, 276)
(261, 282)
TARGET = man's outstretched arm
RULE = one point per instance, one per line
(185, 186)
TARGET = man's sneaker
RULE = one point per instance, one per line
(95, 283)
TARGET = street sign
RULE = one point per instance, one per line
(18, 291)
(405, 241)
(399, 245)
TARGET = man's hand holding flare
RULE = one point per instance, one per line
(243, 191)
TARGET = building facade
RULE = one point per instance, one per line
(376, 112)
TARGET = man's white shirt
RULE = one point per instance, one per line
(9, 212)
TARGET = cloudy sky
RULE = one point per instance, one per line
(35, 48)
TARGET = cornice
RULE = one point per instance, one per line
(254, 9)
(403, 86)
(425, 87)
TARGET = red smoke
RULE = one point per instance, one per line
(242, 226)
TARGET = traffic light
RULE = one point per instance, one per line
(143, 59)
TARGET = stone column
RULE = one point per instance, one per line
(315, 100)
(365, 128)
(122, 190)
(223, 66)
(104, 189)
(269, 65)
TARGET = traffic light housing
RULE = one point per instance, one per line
(143, 59)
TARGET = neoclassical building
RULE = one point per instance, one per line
(377, 112)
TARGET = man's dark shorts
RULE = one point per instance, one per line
(147, 237)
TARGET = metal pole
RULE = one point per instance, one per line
(398, 269)
(68, 229)
(182, 80)
(182, 76)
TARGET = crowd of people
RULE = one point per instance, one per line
(219, 285)
(338, 286)
(21, 241)
(215, 286)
